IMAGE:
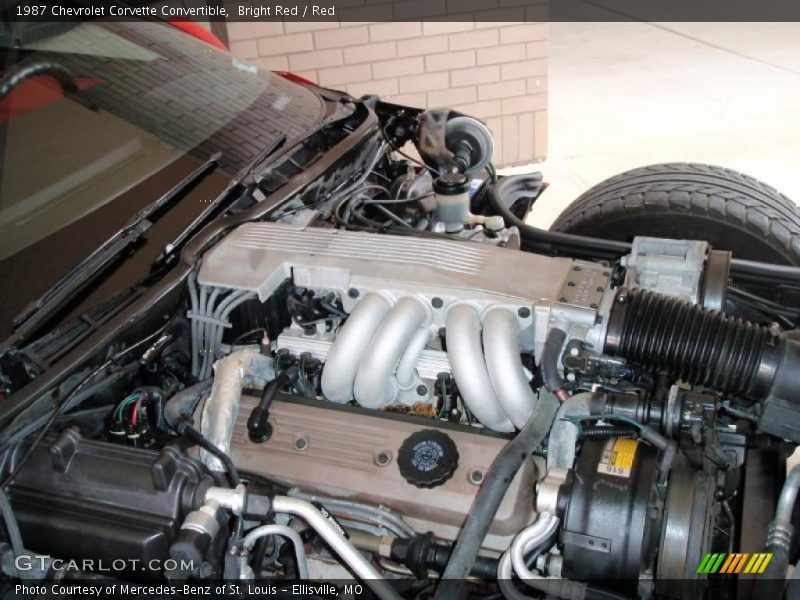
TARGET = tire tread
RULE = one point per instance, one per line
(699, 189)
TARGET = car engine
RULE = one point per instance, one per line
(332, 399)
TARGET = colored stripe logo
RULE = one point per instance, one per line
(734, 563)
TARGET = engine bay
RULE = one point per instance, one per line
(380, 384)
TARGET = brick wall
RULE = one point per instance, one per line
(494, 71)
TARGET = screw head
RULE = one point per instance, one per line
(576, 268)
(524, 312)
(422, 390)
(593, 305)
(300, 443)
(437, 302)
(383, 458)
(476, 476)
(571, 283)
(353, 293)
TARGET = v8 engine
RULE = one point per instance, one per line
(374, 378)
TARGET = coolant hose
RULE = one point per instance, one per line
(505, 193)
(551, 354)
(184, 402)
(491, 494)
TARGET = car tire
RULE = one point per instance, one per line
(730, 210)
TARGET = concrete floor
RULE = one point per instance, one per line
(624, 95)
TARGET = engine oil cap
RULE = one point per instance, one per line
(427, 458)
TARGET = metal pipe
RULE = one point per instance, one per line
(788, 496)
(283, 530)
(372, 387)
(338, 543)
(222, 405)
(527, 539)
(563, 435)
(351, 342)
(463, 331)
(513, 560)
(500, 345)
(385, 517)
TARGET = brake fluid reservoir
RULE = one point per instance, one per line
(452, 200)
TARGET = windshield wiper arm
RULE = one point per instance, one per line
(39, 310)
(169, 249)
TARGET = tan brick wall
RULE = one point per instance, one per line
(494, 71)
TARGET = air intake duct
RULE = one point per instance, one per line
(709, 349)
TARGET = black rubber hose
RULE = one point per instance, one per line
(194, 436)
(509, 190)
(258, 427)
(183, 403)
(506, 193)
(424, 552)
(491, 494)
(793, 587)
(770, 584)
(551, 352)
(700, 346)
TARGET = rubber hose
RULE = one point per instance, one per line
(198, 438)
(258, 426)
(184, 403)
(551, 352)
(770, 584)
(424, 552)
(700, 346)
(490, 495)
(793, 588)
(503, 195)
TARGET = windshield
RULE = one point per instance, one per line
(102, 119)
(144, 95)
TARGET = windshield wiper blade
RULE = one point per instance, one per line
(167, 253)
(39, 310)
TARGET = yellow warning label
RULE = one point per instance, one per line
(618, 456)
(624, 452)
